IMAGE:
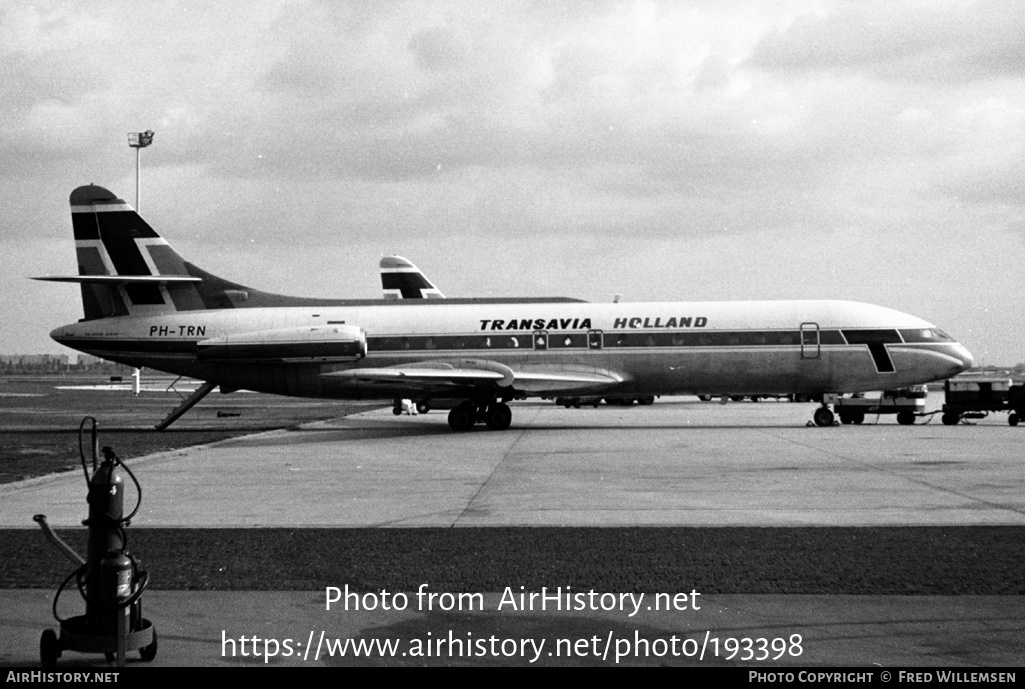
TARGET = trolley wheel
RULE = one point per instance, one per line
(49, 649)
(950, 418)
(396, 410)
(823, 416)
(148, 653)
(1013, 419)
(906, 418)
(422, 407)
(858, 417)
(846, 418)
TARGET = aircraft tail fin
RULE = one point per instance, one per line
(400, 279)
(126, 268)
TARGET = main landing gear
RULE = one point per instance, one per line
(496, 415)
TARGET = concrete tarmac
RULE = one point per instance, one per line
(679, 462)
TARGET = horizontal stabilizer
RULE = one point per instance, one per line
(122, 279)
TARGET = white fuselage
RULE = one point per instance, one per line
(744, 347)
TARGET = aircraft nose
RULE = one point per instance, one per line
(965, 356)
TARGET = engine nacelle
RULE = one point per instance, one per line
(308, 343)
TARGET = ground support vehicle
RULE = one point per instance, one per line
(907, 403)
(974, 397)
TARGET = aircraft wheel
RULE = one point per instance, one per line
(423, 406)
(49, 649)
(705, 398)
(462, 417)
(498, 417)
(950, 419)
(906, 418)
(858, 417)
(823, 416)
(1013, 419)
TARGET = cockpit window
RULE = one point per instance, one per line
(926, 335)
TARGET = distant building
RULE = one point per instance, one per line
(57, 363)
(34, 362)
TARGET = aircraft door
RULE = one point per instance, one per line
(811, 347)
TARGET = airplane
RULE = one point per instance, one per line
(400, 279)
(146, 306)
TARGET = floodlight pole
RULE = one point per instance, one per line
(139, 141)
(138, 167)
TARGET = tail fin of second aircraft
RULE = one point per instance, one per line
(400, 279)
(126, 268)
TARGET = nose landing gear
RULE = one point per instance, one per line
(823, 416)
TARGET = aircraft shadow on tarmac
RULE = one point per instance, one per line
(398, 429)
(366, 431)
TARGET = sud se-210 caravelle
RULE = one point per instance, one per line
(145, 306)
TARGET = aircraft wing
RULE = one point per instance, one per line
(464, 373)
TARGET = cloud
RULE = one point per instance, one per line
(687, 105)
(925, 42)
(438, 49)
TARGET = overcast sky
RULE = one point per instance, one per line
(670, 151)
